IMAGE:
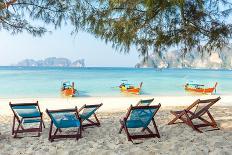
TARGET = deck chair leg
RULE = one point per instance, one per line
(205, 121)
(121, 128)
(13, 126)
(98, 123)
(78, 133)
(82, 128)
(127, 132)
(213, 124)
(41, 126)
(156, 129)
(50, 132)
(19, 126)
(190, 123)
(56, 131)
(16, 131)
(42, 121)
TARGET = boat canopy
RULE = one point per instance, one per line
(195, 85)
(125, 82)
(67, 84)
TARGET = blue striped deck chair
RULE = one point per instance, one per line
(146, 102)
(140, 117)
(64, 119)
(26, 113)
(86, 112)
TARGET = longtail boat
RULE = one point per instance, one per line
(129, 88)
(68, 89)
(199, 88)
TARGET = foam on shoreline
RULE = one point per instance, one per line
(110, 104)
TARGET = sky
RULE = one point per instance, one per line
(60, 43)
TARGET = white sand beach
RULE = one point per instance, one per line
(175, 139)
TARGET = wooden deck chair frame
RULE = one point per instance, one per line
(150, 100)
(91, 123)
(187, 116)
(52, 136)
(151, 134)
(17, 119)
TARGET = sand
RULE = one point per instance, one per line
(175, 139)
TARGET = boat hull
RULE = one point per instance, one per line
(132, 90)
(201, 90)
(68, 92)
(204, 91)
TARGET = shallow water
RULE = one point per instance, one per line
(46, 81)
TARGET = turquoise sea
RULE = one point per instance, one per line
(46, 81)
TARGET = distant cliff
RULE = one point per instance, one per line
(216, 59)
(52, 62)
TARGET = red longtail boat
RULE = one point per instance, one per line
(198, 88)
(128, 88)
(67, 89)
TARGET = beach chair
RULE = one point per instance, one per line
(196, 111)
(64, 119)
(86, 112)
(145, 102)
(26, 113)
(140, 117)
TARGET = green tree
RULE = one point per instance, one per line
(160, 24)
(33, 16)
(146, 24)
